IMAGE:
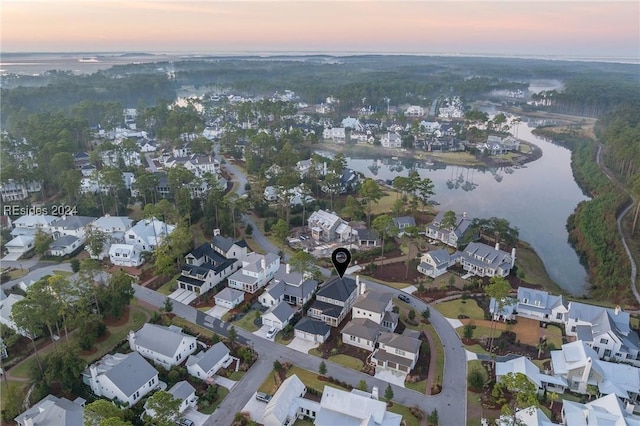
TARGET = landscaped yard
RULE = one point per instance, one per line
(168, 287)
(409, 419)
(439, 351)
(246, 322)
(453, 308)
(420, 386)
(14, 387)
(222, 394)
(347, 361)
(236, 375)
(481, 331)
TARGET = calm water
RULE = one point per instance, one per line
(537, 199)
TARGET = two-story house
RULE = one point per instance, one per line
(124, 377)
(334, 300)
(398, 352)
(206, 363)
(209, 264)
(69, 233)
(288, 286)
(30, 224)
(450, 235)
(435, 263)
(485, 261)
(114, 227)
(167, 346)
(540, 305)
(256, 271)
(403, 222)
(52, 410)
(148, 234)
(125, 255)
(328, 227)
(606, 330)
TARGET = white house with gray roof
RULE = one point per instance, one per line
(257, 270)
(606, 410)
(334, 300)
(284, 407)
(229, 298)
(606, 330)
(397, 352)
(112, 225)
(167, 346)
(64, 245)
(376, 306)
(148, 234)
(435, 263)
(123, 377)
(403, 222)
(523, 365)
(207, 363)
(448, 235)
(52, 410)
(312, 330)
(540, 305)
(30, 224)
(361, 333)
(485, 261)
(328, 227)
(182, 391)
(289, 286)
(75, 226)
(278, 316)
(339, 407)
(125, 255)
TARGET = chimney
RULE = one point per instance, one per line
(94, 377)
(287, 268)
(587, 371)
(28, 421)
(216, 232)
(362, 286)
(464, 215)
(263, 263)
(132, 340)
(617, 310)
(497, 246)
(629, 408)
(374, 393)
(513, 257)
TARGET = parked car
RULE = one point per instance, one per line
(185, 422)
(271, 333)
(404, 298)
(264, 397)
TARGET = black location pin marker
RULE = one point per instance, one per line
(341, 257)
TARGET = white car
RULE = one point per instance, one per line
(271, 333)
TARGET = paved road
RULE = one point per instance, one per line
(36, 272)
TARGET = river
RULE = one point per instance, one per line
(537, 199)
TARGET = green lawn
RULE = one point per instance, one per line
(14, 387)
(63, 273)
(554, 335)
(309, 378)
(181, 322)
(117, 335)
(303, 422)
(280, 339)
(457, 307)
(315, 352)
(168, 287)
(246, 322)
(409, 419)
(480, 331)
(222, 394)
(17, 273)
(477, 349)
(236, 375)
(347, 361)
(420, 386)
(439, 350)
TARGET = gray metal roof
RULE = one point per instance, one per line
(400, 341)
(182, 390)
(362, 327)
(73, 222)
(160, 339)
(207, 359)
(282, 311)
(338, 288)
(229, 294)
(53, 411)
(130, 374)
(373, 301)
(63, 242)
(313, 326)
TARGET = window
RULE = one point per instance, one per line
(604, 341)
(352, 338)
(573, 328)
(559, 315)
(400, 352)
(607, 352)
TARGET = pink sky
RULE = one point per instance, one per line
(503, 27)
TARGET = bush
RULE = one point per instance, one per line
(476, 379)
(75, 265)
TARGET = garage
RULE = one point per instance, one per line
(312, 330)
(279, 316)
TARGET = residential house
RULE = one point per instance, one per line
(336, 134)
(292, 287)
(448, 235)
(328, 227)
(339, 407)
(397, 352)
(270, 194)
(391, 140)
(52, 410)
(146, 145)
(5, 222)
(167, 346)
(540, 305)
(256, 271)
(503, 311)
(74, 226)
(278, 316)
(20, 244)
(284, 406)
(607, 410)
(208, 265)
(200, 165)
(229, 298)
(64, 245)
(362, 333)
(435, 263)
(334, 300)
(124, 377)
(485, 261)
(147, 234)
(348, 180)
(366, 238)
(6, 306)
(207, 363)
(30, 224)
(312, 330)
(544, 382)
(182, 391)
(376, 306)
(125, 255)
(114, 226)
(352, 123)
(403, 222)
(15, 191)
(579, 365)
(414, 111)
(606, 330)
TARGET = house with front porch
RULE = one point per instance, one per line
(167, 346)
(435, 263)
(540, 305)
(450, 235)
(398, 352)
(278, 316)
(256, 271)
(328, 227)
(334, 300)
(73, 226)
(64, 245)
(288, 286)
(485, 261)
(125, 255)
(206, 363)
(544, 382)
(361, 333)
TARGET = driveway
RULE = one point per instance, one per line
(195, 416)
(411, 289)
(183, 296)
(224, 382)
(11, 257)
(218, 311)
(262, 332)
(393, 377)
(255, 409)
(302, 345)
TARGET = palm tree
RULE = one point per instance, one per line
(553, 397)
(410, 234)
